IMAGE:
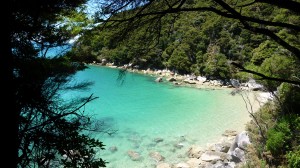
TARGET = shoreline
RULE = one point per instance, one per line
(256, 100)
(259, 97)
(253, 98)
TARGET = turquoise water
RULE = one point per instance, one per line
(142, 110)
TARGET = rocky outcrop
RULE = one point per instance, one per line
(195, 152)
(172, 79)
(189, 79)
(228, 153)
(240, 144)
(222, 147)
(209, 156)
(159, 79)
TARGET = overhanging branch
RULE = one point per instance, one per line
(59, 116)
(264, 77)
(287, 4)
(263, 31)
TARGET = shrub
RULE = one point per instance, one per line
(293, 158)
(276, 141)
(278, 137)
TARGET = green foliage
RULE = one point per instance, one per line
(244, 76)
(53, 125)
(180, 59)
(265, 50)
(278, 66)
(290, 98)
(293, 158)
(74, 21)
(49, 130)
(280, 129)
(216, 63)
(263, 164)
(264, 118)
(278, 138)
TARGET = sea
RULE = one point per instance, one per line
(138, 117)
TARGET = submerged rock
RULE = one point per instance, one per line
(163, 165)
(228, 133)
(135, 156)
(194, 152)
(156, 156)
(179, 145)
(157, 140)
(113, 148)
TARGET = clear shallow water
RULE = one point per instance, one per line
(142, 110)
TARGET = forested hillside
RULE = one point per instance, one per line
(206, 43)
(200, 43)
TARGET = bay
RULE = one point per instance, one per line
(156, 117)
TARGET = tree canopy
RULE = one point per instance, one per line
(246, 33)
(263, 19)
(48, 130)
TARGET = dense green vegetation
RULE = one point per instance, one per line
(276, 142)
(45, 130)
(202, 37)
(200, 43)
(260, 38)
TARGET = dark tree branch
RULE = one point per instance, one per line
(267, 32)
(168, 4)
(251, 112)
(248, 4)
(264, 77)
(276, 38)
(53, 119)
(229, 12)
(181, 3)
(144, 7)
(171, 11)
(287, 4)
(176, 2)
(234, 15)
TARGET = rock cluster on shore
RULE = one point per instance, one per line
(228, 152)
(189, 79)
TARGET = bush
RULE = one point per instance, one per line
(279, 137)
(276, 141)
(293, 158)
